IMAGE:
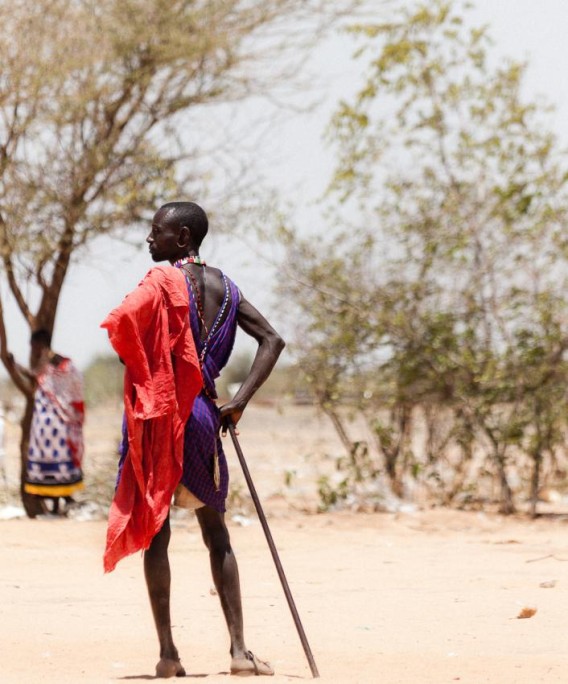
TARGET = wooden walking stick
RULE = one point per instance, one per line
(273, 551)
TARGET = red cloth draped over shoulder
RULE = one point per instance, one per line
(151, 334)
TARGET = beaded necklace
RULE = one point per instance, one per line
(194, 259)
(200, 309)
(189, 260)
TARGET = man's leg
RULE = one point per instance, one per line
(225, 573)
(226, 579)
(158, 580)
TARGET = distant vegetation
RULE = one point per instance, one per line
(103, 380)
(433, 305)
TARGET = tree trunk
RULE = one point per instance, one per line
(506, 506)
(537, 460)
(535, 481)
(339, 428)
(401, 419)
(33, 505)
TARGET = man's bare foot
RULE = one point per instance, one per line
(249, 664)
(167, 668)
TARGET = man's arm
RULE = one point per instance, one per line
(270, 345)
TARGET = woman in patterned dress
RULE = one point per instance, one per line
(55, 454)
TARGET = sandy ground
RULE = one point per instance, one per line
(420, 597)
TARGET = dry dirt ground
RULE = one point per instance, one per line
(423, 597)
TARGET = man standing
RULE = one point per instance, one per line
(216, 309)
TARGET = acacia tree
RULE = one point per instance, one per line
(96, 99)
(462, 190)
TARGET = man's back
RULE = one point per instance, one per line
(210, 291)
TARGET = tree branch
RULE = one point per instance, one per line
(8, 265)
(23, 384)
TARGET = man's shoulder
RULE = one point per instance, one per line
(221, 283)
(161, 271)
(214, 271)
(220, 274)
(163, 275)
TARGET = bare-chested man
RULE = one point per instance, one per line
(216, 308)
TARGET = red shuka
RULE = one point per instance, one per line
(150, 332)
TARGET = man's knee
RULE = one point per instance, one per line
(214, 531)
(160, 542)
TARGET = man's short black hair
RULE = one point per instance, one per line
(191, 215)
(41, 336)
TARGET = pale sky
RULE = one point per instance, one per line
(296, 160)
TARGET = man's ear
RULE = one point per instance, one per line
(184, 237)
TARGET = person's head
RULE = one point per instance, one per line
(41, 339)
(178, 228)
(40, 343)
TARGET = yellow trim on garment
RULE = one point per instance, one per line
(58, 490)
